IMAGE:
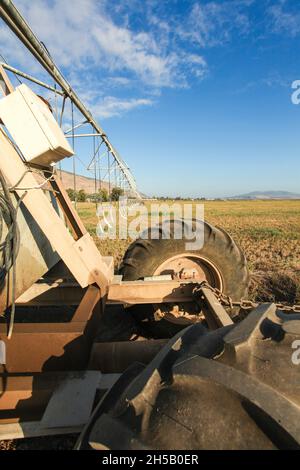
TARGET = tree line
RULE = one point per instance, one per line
(101, 196)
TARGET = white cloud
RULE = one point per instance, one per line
(284, 20)
(103, 46)
(135, 52)
(118, 81)
(94, 53)
(111, 106)
(99, 51)
(210, 24)
(86, 36)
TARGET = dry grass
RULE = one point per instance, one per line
(267, 231)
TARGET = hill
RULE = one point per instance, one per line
(82, 182)
(267, 195)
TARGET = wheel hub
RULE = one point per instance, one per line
(189, 267)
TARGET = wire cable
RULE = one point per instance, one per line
(9, 248)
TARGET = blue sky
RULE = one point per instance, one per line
(195, 94)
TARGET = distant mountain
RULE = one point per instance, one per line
(267, 195)
(82, 182)
(85, 182)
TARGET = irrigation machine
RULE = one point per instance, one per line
(166, 354)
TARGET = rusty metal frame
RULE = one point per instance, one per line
(39, 349)
(39, 354)
(124, 292)
(36, 347)
(145, 292)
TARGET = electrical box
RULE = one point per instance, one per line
(33, 127)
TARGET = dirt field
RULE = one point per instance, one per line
(268, 232)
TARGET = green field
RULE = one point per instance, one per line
(268, 232)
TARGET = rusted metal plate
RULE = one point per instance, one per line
(38, 347)
(25, 397)
(47, 346)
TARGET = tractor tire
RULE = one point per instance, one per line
(220, 262)
(237, 388)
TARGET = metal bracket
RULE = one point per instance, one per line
(2, 353)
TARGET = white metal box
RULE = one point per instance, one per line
(33, 127)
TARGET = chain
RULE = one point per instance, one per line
(227, 301)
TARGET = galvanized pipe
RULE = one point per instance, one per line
(18, 25)
(81, 135)
(30, 78)
(80, 124)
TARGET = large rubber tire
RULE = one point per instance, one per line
(144, 255)
(236, 387)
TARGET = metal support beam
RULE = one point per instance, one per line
(82, 135)
(80, 124)
(144, 292)
(31, 79)
(119, 292)
(215, 314)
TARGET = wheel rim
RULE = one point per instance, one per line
(186, 267)
(189, 266)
